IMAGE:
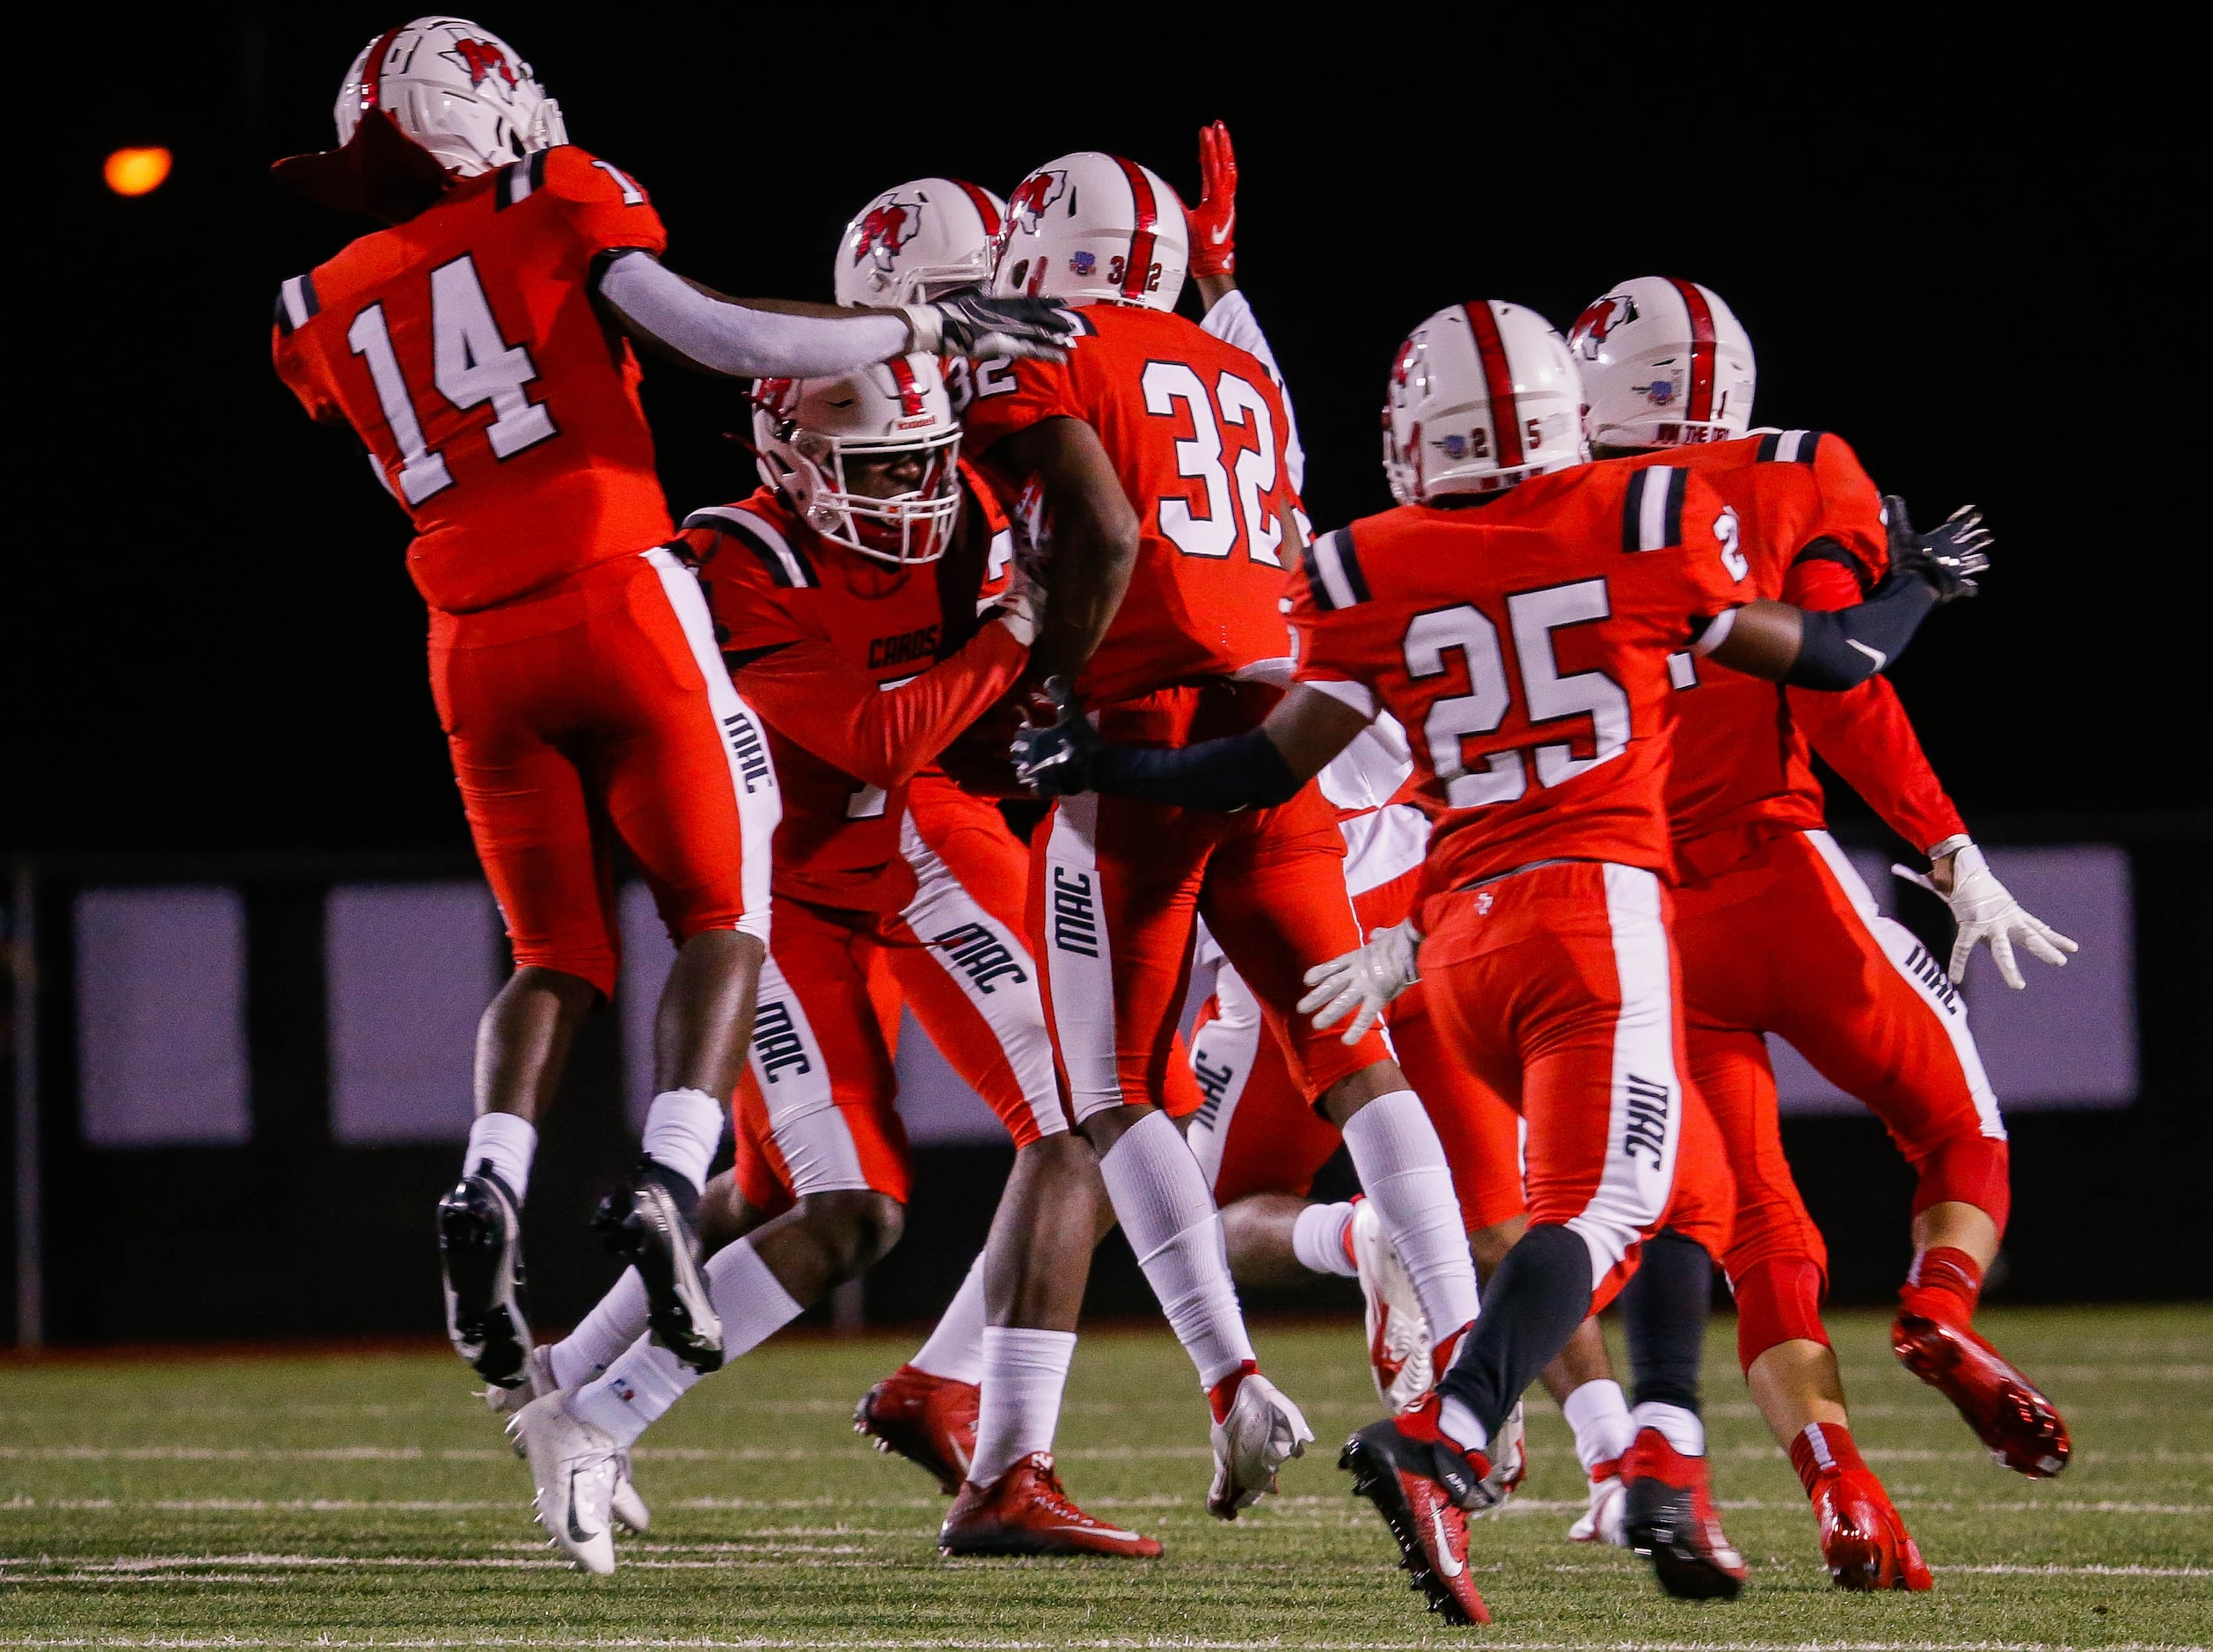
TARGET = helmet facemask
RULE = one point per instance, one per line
(816, 473)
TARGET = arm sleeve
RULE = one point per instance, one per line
(1864, 733)
(883, 736)
(1231, 320)
(734, 339)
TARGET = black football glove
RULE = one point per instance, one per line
(980, 325)
(1055, 761)
(1947, 557)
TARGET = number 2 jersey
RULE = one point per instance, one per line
(1525, 645)
(1196, 431)
(499, 406)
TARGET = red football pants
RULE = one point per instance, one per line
(1789, 942)
(593, 710)
(1559, 987)
(1257, 1133)
(1116, 890)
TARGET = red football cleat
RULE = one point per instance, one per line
(1863, 1541)
(1418, 1479)
(1668, 1516)
(1026, 1511)
(2008, 1412)
(929, 1421)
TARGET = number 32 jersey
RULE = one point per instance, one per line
(1195, 430)
(1525, 645)
(500, 407)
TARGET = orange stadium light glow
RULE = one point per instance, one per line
(136, 171)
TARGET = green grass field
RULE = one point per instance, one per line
(367, 1501)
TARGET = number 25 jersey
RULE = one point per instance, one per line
(1525, 646)
(1195, 430)
(500, 407)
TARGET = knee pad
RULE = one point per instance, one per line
(1778, 1300)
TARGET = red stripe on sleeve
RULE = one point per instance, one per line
(1701, 403)
(1498, 381)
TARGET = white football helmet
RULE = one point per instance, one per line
(1483, 395)
(919, 242)
(1094, 228)
(1665, 364)
(807, 431)
(463, 94)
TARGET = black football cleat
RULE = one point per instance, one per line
(654, 1228)
(1419, 1482)
(1668, 1516)
(481, 1255)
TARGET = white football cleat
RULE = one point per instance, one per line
(1602, 1521)
(628, 1507)
(1509, 1463)
(1399, 1340)
(1263, 1431)
(574, 1466)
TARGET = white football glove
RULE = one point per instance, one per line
(1022, 605)
(1369, 977)
(1985, 910)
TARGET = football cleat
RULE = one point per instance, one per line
(538, 1381)
(1864, 1543)
(1601, 1522)
(929, 1421)
(2008, 1412)
(1509, 1463)
(1419, 1482)
(480, 1256)
(1260, 1432)
(1668, 1517)
(1398, 1330)
(574, 1466)
(652, 1227)
(1027, 1511)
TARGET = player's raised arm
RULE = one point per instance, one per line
(1092, 531)
(1844, 649)
(777, 337)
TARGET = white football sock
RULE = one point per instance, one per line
(616, 1321)
(1317, 1239)
(644, 1382)
(1401, 1166)
(1600, 1416)
(682, 1129)
(955, 1348)
(1458, 1425)
(1024, 1372)
(508, 1142)
(1684, 1428)
(1160, 1197)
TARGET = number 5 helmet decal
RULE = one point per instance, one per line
(1095, 228)
(1481, 396)
(1665, 364)
(463, 94)
(918, 242)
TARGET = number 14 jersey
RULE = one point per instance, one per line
(1525, 644)
(499, 407)
(1195, 430)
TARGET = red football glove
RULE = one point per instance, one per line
(1213, 222)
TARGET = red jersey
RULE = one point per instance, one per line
(1809, 523)
(864, 673)
(1196, 431)
(1524, 644)
(464, 348)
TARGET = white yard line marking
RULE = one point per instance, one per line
(1162, 1643)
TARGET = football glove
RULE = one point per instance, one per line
(1985, 910)
(1947, 557)
(1363, 981)
(982, 324)
(1054, 760)
(1212, 224)
(1022, 609)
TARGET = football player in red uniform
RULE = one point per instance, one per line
(476, 347)
(1543, 934)
(1778, 934)
(1159, 461)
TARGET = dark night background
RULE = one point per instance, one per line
(1966, 254)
